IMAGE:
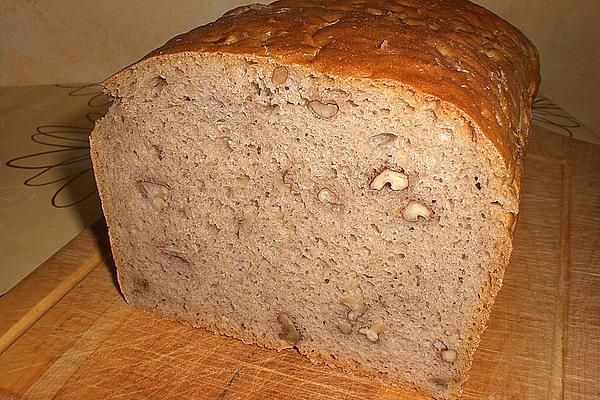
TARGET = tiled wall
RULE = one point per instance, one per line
(48, 41)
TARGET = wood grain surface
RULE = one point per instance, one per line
(543, 340)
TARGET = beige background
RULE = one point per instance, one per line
(47, 41)
(31, 229)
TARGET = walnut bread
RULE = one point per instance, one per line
(341, 177)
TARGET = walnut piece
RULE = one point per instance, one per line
(445, 353)
(323, 110)
(289, 334)
(326, 196)
(344, 326)
(396, 180)
(173, 251)
(372, 333)
(357, 307)
(442, 381)
(382, 139)
(401, 158)
(157, 193)
(449, 355)
(415, 210)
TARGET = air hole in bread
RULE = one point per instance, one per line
(158, 82)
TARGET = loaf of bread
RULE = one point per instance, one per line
(341, 177)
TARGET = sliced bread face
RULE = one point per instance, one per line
(358, 220)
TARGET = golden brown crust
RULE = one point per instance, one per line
(453, 50)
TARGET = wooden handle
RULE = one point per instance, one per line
(48, 301)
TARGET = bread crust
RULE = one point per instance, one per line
(453, 50)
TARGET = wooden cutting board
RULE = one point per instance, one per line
(543, 340)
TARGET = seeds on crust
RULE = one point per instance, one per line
(157, 193)
(356, 306)
(290, 333)
(396, 180)
(244, 9)
(415, 210)
(279, 76)
(375, 11)
(372, 333)
(445, 50)
(232, 39)
(323, 110)
(494, 54)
